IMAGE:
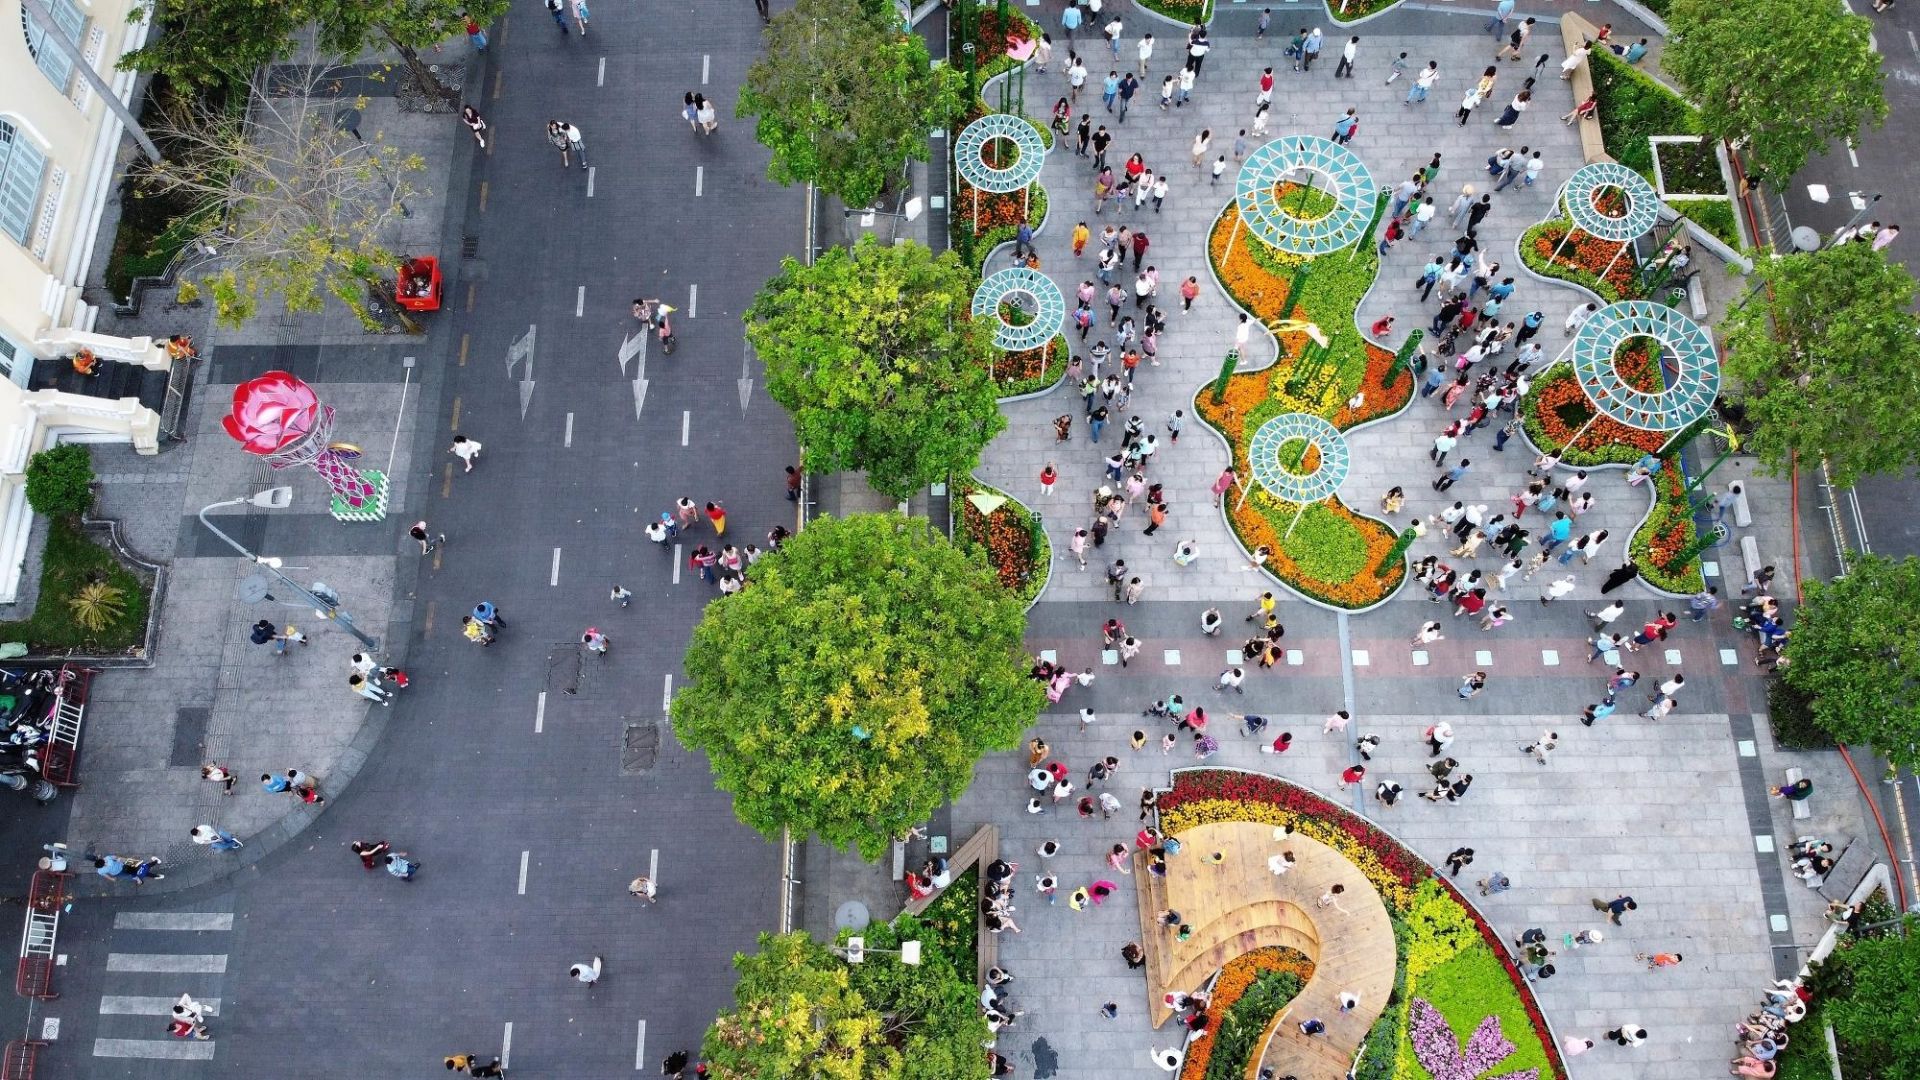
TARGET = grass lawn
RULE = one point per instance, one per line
(71, 562)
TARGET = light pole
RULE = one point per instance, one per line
(856, 951)
(327, 606)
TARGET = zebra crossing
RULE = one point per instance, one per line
(155, 957)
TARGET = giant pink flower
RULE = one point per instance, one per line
(271, 412)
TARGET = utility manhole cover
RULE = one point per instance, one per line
(639, 747)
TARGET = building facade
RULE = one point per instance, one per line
(59, 166)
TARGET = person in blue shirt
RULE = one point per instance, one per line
(1110, 89)
(1633, 53)
(1503, 290)
(1070, 20)
(1558, 532)
(1530, 326)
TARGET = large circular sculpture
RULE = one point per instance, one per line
(1282, 483)
(1643, 206)
(1687, 352)
(969, 153)
(1048, 307)
(1334, 169)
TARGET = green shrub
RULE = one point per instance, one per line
(1237, 1033)
(60, 481)
(1632, 107)
(1326, 545)
(70, 564)
(1790, 712)
(1713, 215)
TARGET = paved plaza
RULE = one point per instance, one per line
(1659, 811)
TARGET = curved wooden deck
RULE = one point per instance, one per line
(1240, 905)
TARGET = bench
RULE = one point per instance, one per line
(1697, 298)
(1573, 31)
(1749, 551)
(1801, 811)
(1742, 513)
(1846, 873)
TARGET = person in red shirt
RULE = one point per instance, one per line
(717, 514)
(1047, 477)
(1382, 326)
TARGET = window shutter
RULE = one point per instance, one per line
(21, 166)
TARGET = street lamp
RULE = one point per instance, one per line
(1861, 201)
(856, 950)
(910, 212)
(325, 604)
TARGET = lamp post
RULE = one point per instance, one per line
(326, 606)
(856, 951)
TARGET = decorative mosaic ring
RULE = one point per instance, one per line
(1049, 316)
(1643, 206)
(1264, 452)
(969, 153)
(1693, 381)
(1340, 174)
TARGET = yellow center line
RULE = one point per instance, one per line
(454, 424)
(464, 337)
(426, 626)
(446, 490)
(483, 196)
(472, 287)
(497, 76)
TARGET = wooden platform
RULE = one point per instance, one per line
(979, 849)
(1240, 905)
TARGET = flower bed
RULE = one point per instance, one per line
(992, 39)
(1580, 261)
(999, 216)
(1556, 408)
(1187, 11)
(1335, 554)
(1029, 371)
(1013, 539)
(1252, 988)
(1668, 532)
(1463, 1007)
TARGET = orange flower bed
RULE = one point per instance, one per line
(1233, 982)
(996, 211)
(1257, 526)
(1257, 288)
(1380, 400)
(1559, 395)
(1589, 254)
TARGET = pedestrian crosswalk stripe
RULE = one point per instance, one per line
(167, 1049)
(151, 1006)
(169, 963)
(173, 920)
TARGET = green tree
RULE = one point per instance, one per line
(803, 1012)
(1856, 645)
(875, 354)
(1787, 77)
(60, 481)
(294, 207)
(1873, 1005)
(210, 42)
(1830, 361)
(850, 690)
(844, 98)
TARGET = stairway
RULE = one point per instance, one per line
(115, 380)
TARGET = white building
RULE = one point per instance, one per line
(58, 152)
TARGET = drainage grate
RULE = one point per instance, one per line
(639, 747)
(469, 246)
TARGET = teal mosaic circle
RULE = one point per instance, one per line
(1643, 206)
(1049, 307)
(969, 153)
(1264, 452)
(1693, 367)
(1337, 171)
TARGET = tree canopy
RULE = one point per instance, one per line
(1830, 361)
(804, 1013)
(1875, 988)
(851, 687)
(875, 354)
(1788, 77)
(1854, 651)
(844, 98)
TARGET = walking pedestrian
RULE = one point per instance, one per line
(588, 973)
(558, 9)
(643, 888)
(471, 117)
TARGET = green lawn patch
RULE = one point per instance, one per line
(70, 563)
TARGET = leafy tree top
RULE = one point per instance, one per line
(1829, 354)
(1787, 76)
(849, 690)
(1872, 1014)
(875, 354)
(1855, 647)
(844, 98)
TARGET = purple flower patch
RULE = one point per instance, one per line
(1440, 1053)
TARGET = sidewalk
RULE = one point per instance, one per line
(210, 694)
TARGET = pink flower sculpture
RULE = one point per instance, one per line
(271, 411)
(1440, 1053)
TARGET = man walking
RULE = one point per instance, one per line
(587, 973)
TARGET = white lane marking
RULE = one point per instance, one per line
(686, 425)
(693, 301)
(699, 180)
(1913, 43)
(640, 1047)
(653, 866)
(1853, 157)
(706, 65)
(580, 302)
(554, 577)
(173, 920)
(666, 701)
(169, 963)
(676, 564)
(167, 1049)
(506, 1047)
(591, 169)
(151, 1006)
(569, 437)
(540, 713)
(601, 79)
(523, 872)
